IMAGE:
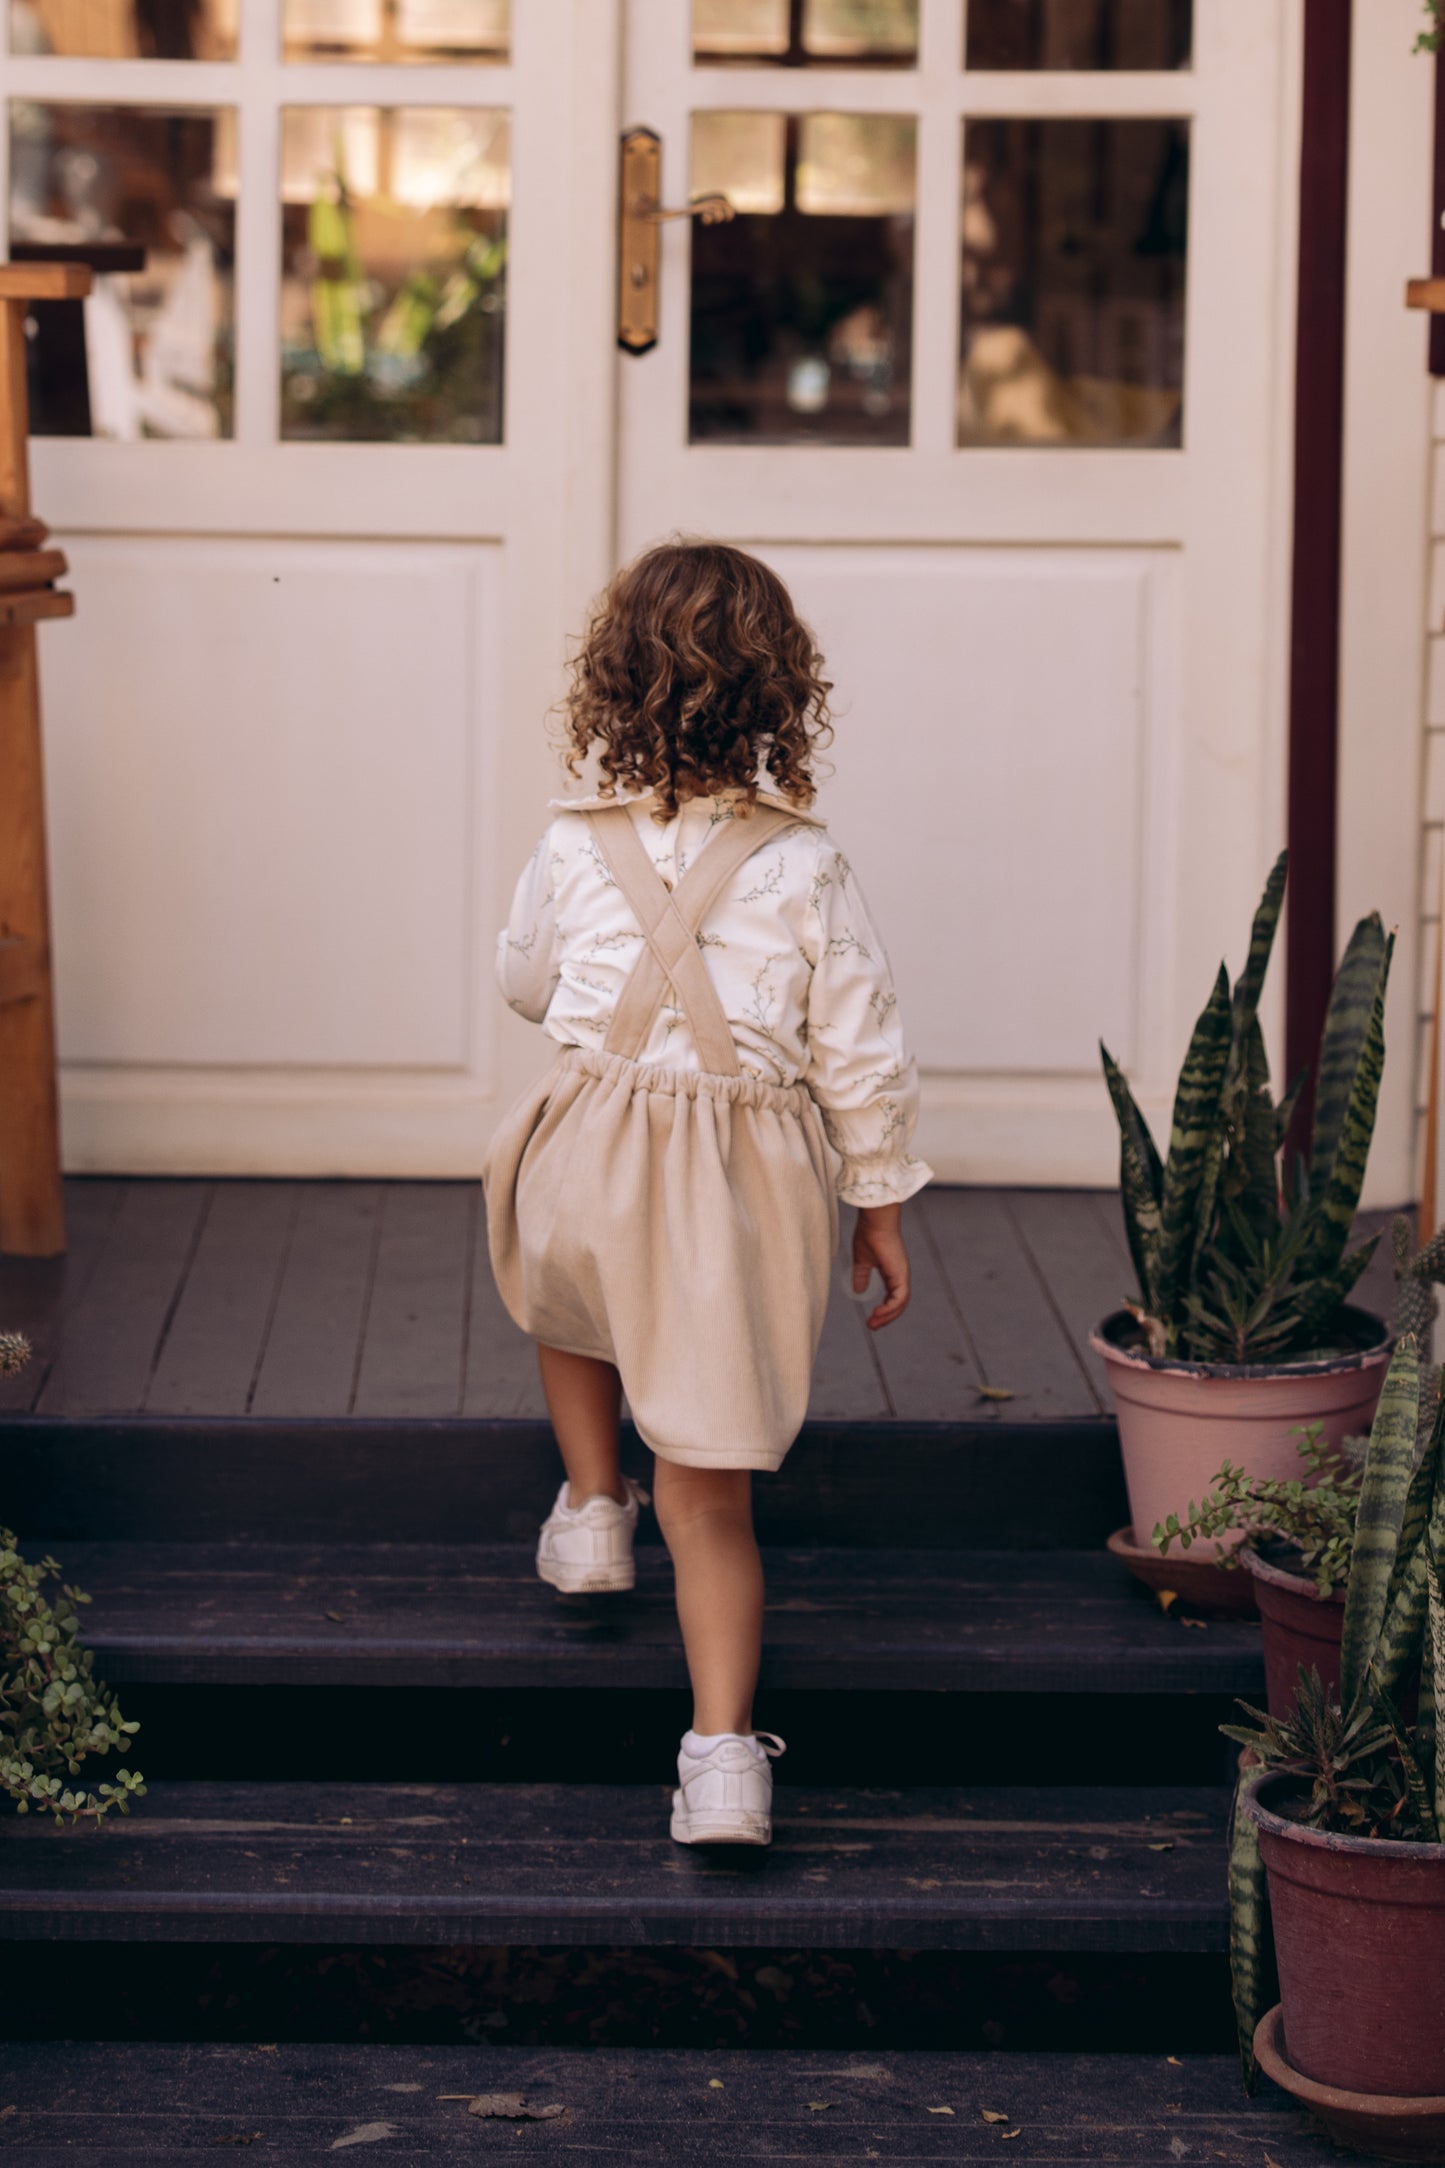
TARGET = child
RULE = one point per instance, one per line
(663, 1206)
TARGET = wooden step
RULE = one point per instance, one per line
(476, 1616)
(927, 1486)
(93, 2104)
(1138, 1870)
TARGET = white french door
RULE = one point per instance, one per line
(343, 491)
(994, 366)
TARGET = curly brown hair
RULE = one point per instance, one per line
(696, 671)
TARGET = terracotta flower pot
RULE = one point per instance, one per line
(1300, 1627)
(1178, 1421)
(1359, 1934)
(1387, 2127)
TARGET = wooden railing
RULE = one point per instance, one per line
(32, 1216)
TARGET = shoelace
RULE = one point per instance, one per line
(771, 1744)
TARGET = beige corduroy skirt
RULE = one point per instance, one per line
(677, 1224)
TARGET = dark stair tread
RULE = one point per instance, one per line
(93, 2103)
(1001, 1868)
(470, 1615)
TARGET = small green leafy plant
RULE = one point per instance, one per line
(54, 1713)
(1240, 1258)
(1362, 1769)
(1429, 40)
(1311, 1517)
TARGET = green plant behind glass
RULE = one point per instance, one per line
(1241, 1259)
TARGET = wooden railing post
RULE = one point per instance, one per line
(32, 1215)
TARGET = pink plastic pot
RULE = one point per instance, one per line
(1300, 1627)
(1178, 1421)
(1359, 1933)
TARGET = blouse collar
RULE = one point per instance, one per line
(597, 803)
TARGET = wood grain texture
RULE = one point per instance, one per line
(91, 2104)
(207, 1363)
(111, 1338)
(413, 1352)
(389, 1614)
(1132, 1869)
(313, 1347)
(37, 1295)
(1023, 1348)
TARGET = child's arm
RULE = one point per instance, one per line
(861, 1074)
(528, 965)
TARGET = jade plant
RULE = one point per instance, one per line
(1241, 1256)
(1362, 1766)
(54, 1713)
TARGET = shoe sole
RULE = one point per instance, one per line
(587, 1580)
(720, 1829)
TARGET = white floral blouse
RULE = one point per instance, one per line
(792, 951)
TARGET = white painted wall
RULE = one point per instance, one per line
(1387, 472)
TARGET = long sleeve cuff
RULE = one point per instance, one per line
(882, 1181)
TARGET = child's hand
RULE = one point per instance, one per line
(878, 1245)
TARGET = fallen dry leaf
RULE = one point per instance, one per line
(1167, 1598)
(1174, 2059)
(1161, 1847)
(1010, 2133)
(339, 1616)
(1196, 1625)
(816, 2107)
(506, 2107)
(716, 2084)
(993, 2115)
(1269, 2162)
(940, 2111)
(364, 2134)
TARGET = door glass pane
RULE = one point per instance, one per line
(1096, 34)
(396, 30)
(802, 305)
(126, 29)
(149, 194)
(1074, 248)
(394, 246)
(795, 33)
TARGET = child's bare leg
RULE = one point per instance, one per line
(584, 1400)
(706, 1517)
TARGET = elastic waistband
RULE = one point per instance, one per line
(742, 1091)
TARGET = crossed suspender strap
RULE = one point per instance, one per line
(670, 920)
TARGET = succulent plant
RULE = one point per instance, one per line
(1363, 1768)
(1240, 1258)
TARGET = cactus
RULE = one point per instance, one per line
(1239, 1260)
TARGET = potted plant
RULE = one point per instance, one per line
(54, 1714)
(1337, 1836)
(1242, 1333)
(1291, 1540)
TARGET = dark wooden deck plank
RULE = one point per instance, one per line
(1022, 1347)
(389, 1614)
(1086, 1274)
(211, 1353)
(309, 1364)
(848, 1376)
(1133, 1869)
(85, 2103)
(930, 1366)
(38, 1294)
(413, 1352)
(502, 1378)
(112, 1335)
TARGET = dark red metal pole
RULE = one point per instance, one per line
(1318, 483)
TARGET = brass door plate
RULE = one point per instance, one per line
(638, 241)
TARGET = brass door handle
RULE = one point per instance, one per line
(640, 213)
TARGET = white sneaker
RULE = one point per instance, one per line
(725, 1789)
(587, 1550)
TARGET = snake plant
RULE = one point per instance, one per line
(1240, 1258)
(1363, 1770)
